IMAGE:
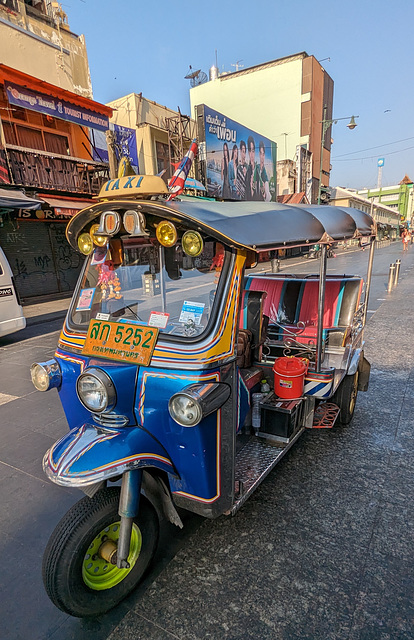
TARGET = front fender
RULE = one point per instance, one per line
(89, 454)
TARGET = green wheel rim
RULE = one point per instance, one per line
(97, 573)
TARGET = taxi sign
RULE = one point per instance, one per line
(133, 187)
(122, 341)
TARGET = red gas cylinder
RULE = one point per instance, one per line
(289, 374)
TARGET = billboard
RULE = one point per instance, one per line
(125, 145)
(237, 163)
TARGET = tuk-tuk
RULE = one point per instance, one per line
(186, 373)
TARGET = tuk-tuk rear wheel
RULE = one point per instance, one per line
(345, 397)
(77, 579)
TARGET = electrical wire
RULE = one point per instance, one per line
(371, 157)
(386, 144)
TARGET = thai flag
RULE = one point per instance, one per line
(176, 184)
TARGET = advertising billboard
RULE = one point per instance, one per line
(237, 163)
(125, 145)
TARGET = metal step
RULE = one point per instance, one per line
(325, 415)
(254, 462)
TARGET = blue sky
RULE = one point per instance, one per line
(138, 46)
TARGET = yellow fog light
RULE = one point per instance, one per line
(192, 243)
(99, 241)
(85, 244)
(166, 234)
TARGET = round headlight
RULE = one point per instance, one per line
(85, 243)
(192, 243)
(166, 233)
(96, 390)
(46, 375)
(99, 241)
(185, 410)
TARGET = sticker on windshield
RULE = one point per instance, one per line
(191, 311)
(85, 299)
(158, 319)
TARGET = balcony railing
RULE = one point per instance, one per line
(53, 171)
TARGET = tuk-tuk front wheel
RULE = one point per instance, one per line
(345, 397)
(77, 577)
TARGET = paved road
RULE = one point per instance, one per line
(270, 572)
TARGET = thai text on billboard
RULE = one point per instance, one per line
(240, 163)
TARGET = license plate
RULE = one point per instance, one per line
(120, 341)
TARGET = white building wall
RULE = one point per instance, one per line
(267, 100)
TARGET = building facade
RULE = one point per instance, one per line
(283, 100)
(387, 218)
(163, 135)
(399, 197)
(47, 117)
(35, 38)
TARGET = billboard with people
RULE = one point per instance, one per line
(238, 163)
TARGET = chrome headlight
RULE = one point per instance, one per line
(46, 375)
(193, 403)
(185, 410)
(96, 390)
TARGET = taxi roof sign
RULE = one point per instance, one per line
(132, 187)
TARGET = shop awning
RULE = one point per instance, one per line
(65, 206)
(14, 199)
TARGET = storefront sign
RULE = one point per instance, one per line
(28, 99)
(46, 215)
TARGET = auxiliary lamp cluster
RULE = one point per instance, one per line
(134, 224)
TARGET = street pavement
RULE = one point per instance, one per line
(322, 550)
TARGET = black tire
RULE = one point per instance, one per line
(345, 397)
(64, 558)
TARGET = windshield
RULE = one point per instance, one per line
(138, 281)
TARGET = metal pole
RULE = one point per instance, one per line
(321, 159)
(397, 272)
(162, 279)
(369, 276)
(321, 306)
(391, 278)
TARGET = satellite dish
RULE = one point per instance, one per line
(201, 78)
(196, 77)
(192, 74)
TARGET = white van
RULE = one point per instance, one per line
(11, 312)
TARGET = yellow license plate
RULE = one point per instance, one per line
(120, 341)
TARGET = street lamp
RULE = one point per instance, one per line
(326, 123)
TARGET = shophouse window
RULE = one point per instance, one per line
(163, 159)
(19, 114)
(56, 144)
(48, 121)
(9, 133)
(29, 138)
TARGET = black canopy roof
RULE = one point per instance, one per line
(253, 225)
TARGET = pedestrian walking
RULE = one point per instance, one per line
(406, 239)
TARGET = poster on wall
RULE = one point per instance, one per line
(239, 164)
(125, 145)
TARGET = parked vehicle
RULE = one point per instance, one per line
(11, 312)
(164, 365)
(315, 252)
